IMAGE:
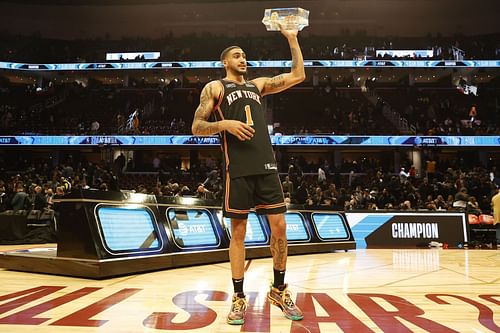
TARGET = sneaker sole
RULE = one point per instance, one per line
(275, 303)
(236, 322)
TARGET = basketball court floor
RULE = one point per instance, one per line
(372, 290)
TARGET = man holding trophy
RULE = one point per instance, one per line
(251, 177)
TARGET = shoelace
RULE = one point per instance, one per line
(287, 298)
(239, 305)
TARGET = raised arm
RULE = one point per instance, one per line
(284, 81)
(201, 125)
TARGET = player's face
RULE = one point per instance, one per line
(236, 62)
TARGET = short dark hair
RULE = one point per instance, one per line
(226, 51)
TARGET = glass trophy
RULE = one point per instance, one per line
(290, 18)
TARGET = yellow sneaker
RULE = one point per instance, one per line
(281, 298)
(239, 306)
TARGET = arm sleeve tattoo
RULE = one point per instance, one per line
(201, 125)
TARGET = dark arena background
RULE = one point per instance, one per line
(388, 154)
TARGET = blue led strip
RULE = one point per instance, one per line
(280, 140)
(251, 63)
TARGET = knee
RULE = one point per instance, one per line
(238, 233)
(279, 229)
(280, 226)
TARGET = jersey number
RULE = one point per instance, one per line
(248, 113)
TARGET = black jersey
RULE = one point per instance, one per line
(243, 102)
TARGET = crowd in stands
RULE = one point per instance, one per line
(168, 109)
(329, 111)
(36, 186)
(204, 46)
(355, 185)
(438, 111)
(73, 109)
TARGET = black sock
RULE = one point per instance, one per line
(279, 278)
(238, 287)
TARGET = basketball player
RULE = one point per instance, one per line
(251, 176)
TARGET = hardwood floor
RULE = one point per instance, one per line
(374, 290)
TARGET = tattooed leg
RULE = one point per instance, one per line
(279, 244)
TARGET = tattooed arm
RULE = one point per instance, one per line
(284, 81)
(201, 125)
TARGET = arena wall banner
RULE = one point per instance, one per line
(216, 64)
(276, 140)
(407, 229)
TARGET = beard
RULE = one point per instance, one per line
(239, 71)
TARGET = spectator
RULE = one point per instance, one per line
(343, 199)
(40, 201)
(372, 205)
(203, 193)
(430, 168)
(294, 171)
(49, 196)
(119, 164)
(450, 200)
(473, 206)
(365, 199)
(66, 184)
(403, 176)
(328, 203)
(321, 176)
(331, 192)
(385, 199)
(461, 199)
(406, 205)
(21, 200)
(440, 203)
(288, 186)
(430, 204)
(425, 188)
(412, 173)
(302, 193)
(55, 205)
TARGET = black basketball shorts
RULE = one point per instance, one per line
(262, 192)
